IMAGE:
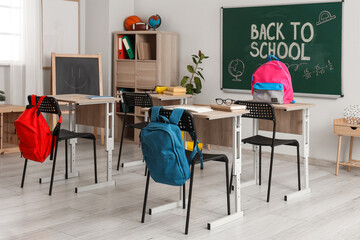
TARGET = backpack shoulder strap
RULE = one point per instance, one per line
(155, 114)
(176, 115)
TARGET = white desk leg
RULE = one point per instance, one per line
(73, 173)
(109, 146)
(306, 139)
(237, 171)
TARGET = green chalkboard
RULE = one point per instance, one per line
(306, 37)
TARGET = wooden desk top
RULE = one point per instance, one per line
(6, 108)
(164, 97)
(211, 115)
(82, 99)
(343, 122)
(293, 106)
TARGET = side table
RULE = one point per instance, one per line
(342, 128)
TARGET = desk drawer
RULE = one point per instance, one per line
(347, 131)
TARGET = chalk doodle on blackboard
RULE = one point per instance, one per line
(319, 70)
(294, 66)
(236, 69)
(71, 83)
(324, 17)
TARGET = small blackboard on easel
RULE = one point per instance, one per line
(76, 74)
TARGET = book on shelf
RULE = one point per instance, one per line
(128, 47)
(143, 51)
(121, 50)
(232, 107)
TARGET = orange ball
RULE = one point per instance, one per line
(129, 21)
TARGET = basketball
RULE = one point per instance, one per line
(129, 21)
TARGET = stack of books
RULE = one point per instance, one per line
(175, 91)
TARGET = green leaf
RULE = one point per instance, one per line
(190, 69)
(197, 83)
(197, 91)
(194, 60)
(202, 57)
(199, 73)
(189, 88)
(195, 56)
(199, 68)
(206, 56)
(184, 80)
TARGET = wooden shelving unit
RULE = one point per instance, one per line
(142, 75)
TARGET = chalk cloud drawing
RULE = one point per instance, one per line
(236, 69)
(324, 17)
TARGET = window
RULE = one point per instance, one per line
(10, 30)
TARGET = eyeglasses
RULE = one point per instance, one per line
(228, 101)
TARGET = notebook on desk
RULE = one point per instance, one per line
(192, 108)
(100, 97)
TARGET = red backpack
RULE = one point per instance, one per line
(36, 140)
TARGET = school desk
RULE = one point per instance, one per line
(104, 119)
(8, 139)
(235, 117)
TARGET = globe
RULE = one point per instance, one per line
(236, 69)
(154, 21)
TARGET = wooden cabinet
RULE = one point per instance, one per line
(8, 139)
(155, 63)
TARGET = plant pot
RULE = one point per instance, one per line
(191, 100)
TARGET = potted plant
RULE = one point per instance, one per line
(2, 96)
(196, 75)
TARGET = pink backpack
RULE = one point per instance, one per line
(271, 82)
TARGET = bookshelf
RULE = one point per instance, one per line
(155, 63)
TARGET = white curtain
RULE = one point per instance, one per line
(26, 75)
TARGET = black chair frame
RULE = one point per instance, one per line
(265, 111)
(187, 124)
(50, 105)
(132, 99)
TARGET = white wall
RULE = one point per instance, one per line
(198, 25)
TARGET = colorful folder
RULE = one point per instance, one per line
(128, 47)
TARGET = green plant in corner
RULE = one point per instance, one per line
(196, 75)
(2, 96)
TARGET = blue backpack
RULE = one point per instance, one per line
(163, 149)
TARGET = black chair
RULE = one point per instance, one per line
(51, 106)
(187, 123)
(265, 111)
(132, 100)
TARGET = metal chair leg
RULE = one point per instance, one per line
(24, 172)
(145, 197)
(145, 170)
(189, 200)
(53, 168)
(298, 167)
(259, 165)
(227, 186)
(95, 163)
(184, 196)
(270, 174)
(66, 159)
(121, 143)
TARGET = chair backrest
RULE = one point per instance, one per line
(258, 110)
(49, 105)
(186, 122)
(132, 99)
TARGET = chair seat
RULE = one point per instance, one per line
(138, 125)
(266, 141)
(208, 157)
(66, 134)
